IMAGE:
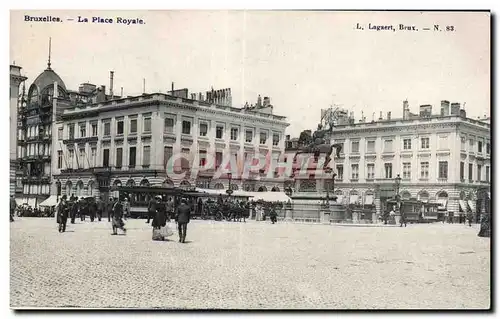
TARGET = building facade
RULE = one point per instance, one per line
(130, 141)
(443, 158)
(15, 80)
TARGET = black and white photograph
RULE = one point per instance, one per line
(250, 160)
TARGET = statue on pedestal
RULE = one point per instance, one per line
(317, 144)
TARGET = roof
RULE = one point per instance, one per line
(48, 77)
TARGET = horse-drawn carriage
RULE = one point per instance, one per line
(229, 211)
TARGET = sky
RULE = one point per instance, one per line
(304, 61)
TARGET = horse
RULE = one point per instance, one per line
(318, 149)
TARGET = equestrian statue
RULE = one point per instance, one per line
(317, 144)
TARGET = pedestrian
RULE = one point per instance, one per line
(182, 217)
(74, 209)
(117, 221)
(272, 214)
(470, 216)
(392, 215)
(84, 207)
(402, 219)
(109, 208)
(151, 209)
(62, 214)
(159, 220)
(126, 208)
(92, 209)
(170, 209)
(13, 206)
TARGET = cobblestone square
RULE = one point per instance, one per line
(253, 265)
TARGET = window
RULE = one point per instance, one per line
(470, 172)
(479, 146)
(370, 147)
(119, 127)
(59, 159)
(203, 129)
(219, 131)
(355, 171)
(234, 133)
(133, 126)
(186, 127)
(488, 174)
(203, 158)
(462, 171)
(60, 133)
(81, 160)
(94, 129)
(248, 136)
(462, 143)
(167, 154)
(218, 159)
(132, 157)
(71, 156)
(355, 147)
(407, 144)
(71, 131)
(424, 142)
(107, 129)
(105, 157)
(388, 170)
(263, 137)
(424, 170)
(471, 145)
(119, 157)
(479, 171)
(443, 169)
(340, 172)
(388, 146)
(147, 125)
(370, 169)
(93, 156)
(276, 139)
(168, 126)
(407, 170)
(146, 156)
(488, 148)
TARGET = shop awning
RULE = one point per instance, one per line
(21, 200)
(472, 205)
(353, 199)
(463, 205)
(49, 202)
(442, 204)
(368, 199)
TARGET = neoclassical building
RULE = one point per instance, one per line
(16, 78)
(129, 141)
(443, 158)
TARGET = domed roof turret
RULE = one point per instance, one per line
(47, 78)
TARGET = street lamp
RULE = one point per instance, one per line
(229, 191)
(397, 182)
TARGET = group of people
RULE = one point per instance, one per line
(118, 209)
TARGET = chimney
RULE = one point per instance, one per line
(445, 108)
(111, 73)
(455, 109)
(388, 116)
(463, 113)
(380, 117)
(287, 137)
(121, 92)
(172, 88)
(406, 110)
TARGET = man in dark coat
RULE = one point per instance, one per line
(92, 210)
(100, 209)
(84, 209)
(183, 216)
(109, 208)
(151, 209)
(13, 206)
(74, 209)
(62, 214)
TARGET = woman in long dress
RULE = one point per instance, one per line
(159, 220)
(117, 221)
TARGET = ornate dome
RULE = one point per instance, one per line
(48, 77)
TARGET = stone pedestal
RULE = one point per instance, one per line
(397, 219)
(325, 217)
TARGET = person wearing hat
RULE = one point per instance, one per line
(126, 208)
(62, 214)
(13, 206)
(182, 217)
(117, 221)
(151, 209)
